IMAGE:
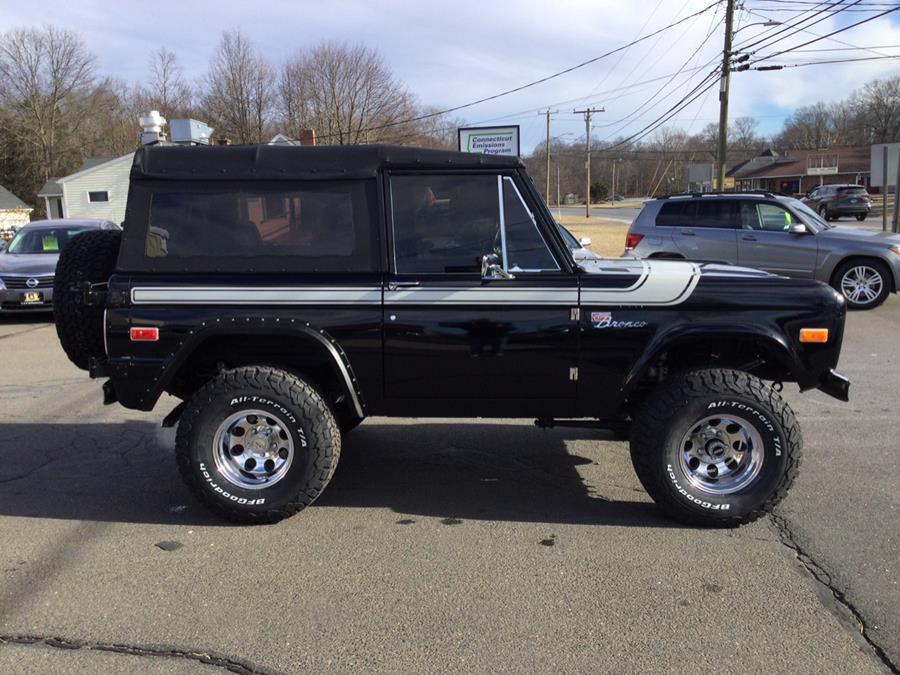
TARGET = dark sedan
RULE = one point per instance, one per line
(28, 264)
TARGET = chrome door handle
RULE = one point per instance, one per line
(748, 237)
(395, 285)
(689, 233)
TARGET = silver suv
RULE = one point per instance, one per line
(772, 233)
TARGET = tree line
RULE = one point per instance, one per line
(658, 164)
(57, 109)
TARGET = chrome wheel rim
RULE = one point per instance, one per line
(721, 454)
(253, 449)
(862, 284)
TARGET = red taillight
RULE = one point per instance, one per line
(144, 334)
(632, 240)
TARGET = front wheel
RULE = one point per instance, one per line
(716, 447)
(257, 444)
(861, 216)
(823, 211)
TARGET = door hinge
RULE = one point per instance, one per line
(573, 374)
(575, 314)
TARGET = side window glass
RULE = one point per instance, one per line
(773, 218)
(749, 216)
(715, 213)
(677, 214)
(444, 224)
(526, 249)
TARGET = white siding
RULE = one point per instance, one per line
(111, 177)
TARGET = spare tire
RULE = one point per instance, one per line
(88, 257)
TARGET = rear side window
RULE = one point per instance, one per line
(297, 227)
(716, 213)
(677, 214)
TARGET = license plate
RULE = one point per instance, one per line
(30, 298)
(853, 201)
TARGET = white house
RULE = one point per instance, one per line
(98, 190)
(14, 213)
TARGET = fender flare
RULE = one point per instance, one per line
(772, 339)
(194, 339)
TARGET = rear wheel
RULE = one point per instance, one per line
(864, 283)
(716, 447)
(861, 216)
(257, 444)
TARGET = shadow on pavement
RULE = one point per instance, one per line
(125, 472)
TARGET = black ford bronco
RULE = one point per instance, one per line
(286, 293)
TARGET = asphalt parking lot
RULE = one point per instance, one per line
(440, 545)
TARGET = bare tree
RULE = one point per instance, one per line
(347, 94)
(166, 89)
(742, 137)
(239, 90)
(877, 110)
(47, 87)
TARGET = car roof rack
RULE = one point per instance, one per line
(761, 193)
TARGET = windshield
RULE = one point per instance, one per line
(43, 240)
(813, 219)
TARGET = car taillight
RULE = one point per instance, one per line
(632, 240)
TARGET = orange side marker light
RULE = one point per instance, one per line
(815, 335)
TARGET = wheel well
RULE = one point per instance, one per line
(296, 354)
(751, 354)
(883, 266)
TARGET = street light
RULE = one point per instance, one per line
(770, 22)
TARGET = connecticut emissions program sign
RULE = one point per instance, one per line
(490, 140)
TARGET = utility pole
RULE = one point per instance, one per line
(612, 197)
(588, 112)
(548, 112)
(721, 159)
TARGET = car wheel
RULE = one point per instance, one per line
(257, 444)
(864, 283)
(861, 216)
(823, 211)
(716, 447)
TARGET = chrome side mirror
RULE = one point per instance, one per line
(798, 228)
(492, 269)
(584, 242)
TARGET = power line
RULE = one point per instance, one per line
(819, 63)
(814, 34)
(789, 28)
(824, 37)
(533, 83)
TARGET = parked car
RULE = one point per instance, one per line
(28, 263)
(833, 201)
(286, 293)
(579, 247)
(772, 233)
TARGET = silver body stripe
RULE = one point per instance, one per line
(659, 283)
(482, 296)
(233, 295)
(662, 282)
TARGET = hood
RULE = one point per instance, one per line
(28, 264)
(859, 234)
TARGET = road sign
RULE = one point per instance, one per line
(877, 164)
(490, 140)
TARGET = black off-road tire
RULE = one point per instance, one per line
(313, 430)
(89, 256)
(680, 403)
(878, 267)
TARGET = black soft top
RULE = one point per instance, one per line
(273, 162)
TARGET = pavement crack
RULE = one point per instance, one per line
(821, 575)
(228, 663)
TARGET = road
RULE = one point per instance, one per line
(628, 214)
(446, 545)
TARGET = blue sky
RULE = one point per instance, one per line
(452, 53)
